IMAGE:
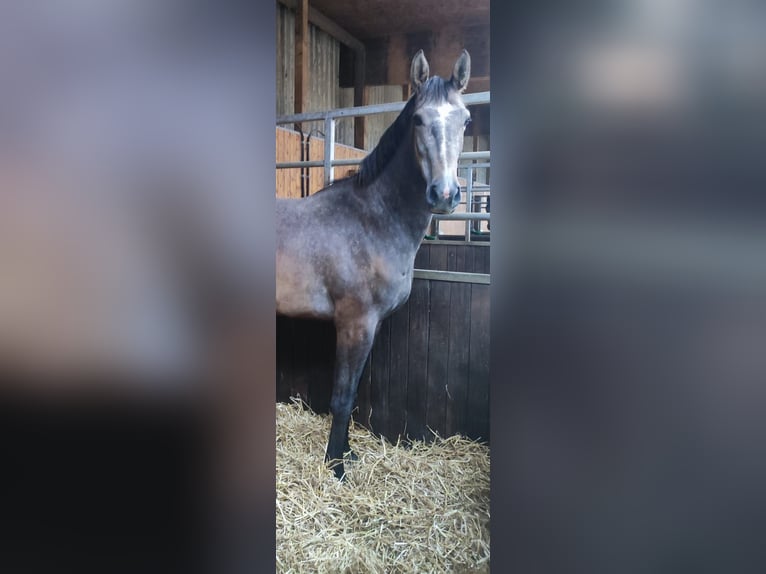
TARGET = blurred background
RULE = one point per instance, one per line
(136, 285)
(628, 366)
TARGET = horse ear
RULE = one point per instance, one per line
(462, 71)
(419, 70)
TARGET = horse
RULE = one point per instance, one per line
(347, 252)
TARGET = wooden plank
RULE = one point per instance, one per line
(477, 420)
(468, 263)
(422, 256)
(360, 96)
(323, 22)
(417, 359)
(288, 149)
(398, 372)
(379, 380)
(301, 58)
(398, 60)
(479, 258)
(458, 359)
(333, 29)
(438, 345)
(451, 257)
(460, 255)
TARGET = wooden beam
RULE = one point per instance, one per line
(360, 96)
(398, 60)
(301, 57)
(324, 23)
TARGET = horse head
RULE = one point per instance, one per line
(438, 124)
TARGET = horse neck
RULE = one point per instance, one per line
(401, 187)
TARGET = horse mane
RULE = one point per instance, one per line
(435, 88)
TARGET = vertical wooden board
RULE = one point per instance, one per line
(479, 261)
(460, 255)
(379, 380)
(438, 354)
(301, 56)
(398, 374)
(360, 96)
(452, 258)
(458, 362)
(469, 259)
(417, 359)
(422, 256)
(477, 423)
(438, 341)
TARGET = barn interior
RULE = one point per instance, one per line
(429, 367)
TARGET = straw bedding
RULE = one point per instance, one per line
(423, 508)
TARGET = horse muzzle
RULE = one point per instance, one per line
(442, 197)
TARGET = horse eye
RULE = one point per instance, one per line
(417, 120)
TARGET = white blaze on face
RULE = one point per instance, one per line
(443, 112)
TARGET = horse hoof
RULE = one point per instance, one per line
(351, 455)
(339, 473)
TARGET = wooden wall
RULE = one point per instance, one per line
(288, 144)
(325, 92)
(429, 367)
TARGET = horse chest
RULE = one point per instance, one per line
(394, 288)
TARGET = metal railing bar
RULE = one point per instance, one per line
(468, 99)
(453, 276)
(474, 216)
(356, 161)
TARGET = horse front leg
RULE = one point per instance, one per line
(354, 341)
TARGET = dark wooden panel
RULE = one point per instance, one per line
(459, 257)
(452, 258)
(458, 358)
(438, 343)
(398, 378)
(417, 360)
(480, 259)
(422, 257)
(379, 371)
(477, 420)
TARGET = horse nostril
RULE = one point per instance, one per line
(433, 194)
